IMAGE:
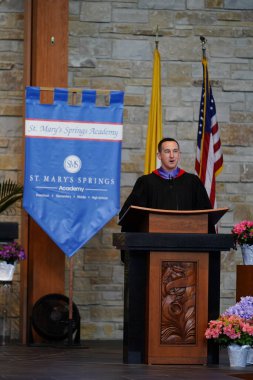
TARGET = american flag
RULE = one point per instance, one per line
(209, 158)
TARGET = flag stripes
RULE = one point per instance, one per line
(209, 158)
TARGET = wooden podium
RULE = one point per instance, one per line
(172, 284)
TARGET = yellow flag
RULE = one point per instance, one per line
(154, 133)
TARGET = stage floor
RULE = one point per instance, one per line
(101, 360)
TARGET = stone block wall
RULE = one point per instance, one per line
(111, 46)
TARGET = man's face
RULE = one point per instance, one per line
(169, 155)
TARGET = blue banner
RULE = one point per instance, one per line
(72, 165)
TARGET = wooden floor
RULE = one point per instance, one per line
(101, 360)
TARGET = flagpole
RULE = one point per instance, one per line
(70, 329)
(156, 38)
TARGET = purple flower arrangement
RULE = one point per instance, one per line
(11, 252)
(243, 308)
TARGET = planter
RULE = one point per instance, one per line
(6, 271)
(238, 355)
(247, 254)
(250, 356)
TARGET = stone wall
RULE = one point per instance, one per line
(111, 46)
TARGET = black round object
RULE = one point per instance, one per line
(50, 317)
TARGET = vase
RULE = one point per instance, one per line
(247, 254)
(238, 355)
(6, 271)
(250, 356)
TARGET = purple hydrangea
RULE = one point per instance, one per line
(11, 252)
(243, 308)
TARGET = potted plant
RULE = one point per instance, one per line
(244, 309)
(234, 330)
(10, 192)
(243, 236)
(10, 254)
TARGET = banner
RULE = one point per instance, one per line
(72, 165)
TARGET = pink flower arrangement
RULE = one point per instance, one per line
(230, 329)
(243, 232)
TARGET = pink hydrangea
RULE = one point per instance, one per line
(243, 232)
(229, 329)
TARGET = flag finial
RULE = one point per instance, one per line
(157, 37)
(203, 43)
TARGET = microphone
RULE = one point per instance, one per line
(171, 183)
(172, 187)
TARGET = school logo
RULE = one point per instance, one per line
(72, 164)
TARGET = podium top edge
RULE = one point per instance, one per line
(217, 213)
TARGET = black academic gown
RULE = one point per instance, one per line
(185, 192)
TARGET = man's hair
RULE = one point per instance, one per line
(164, 140)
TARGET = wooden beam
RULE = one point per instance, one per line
(46, 65)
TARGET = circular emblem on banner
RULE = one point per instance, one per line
(72, 164)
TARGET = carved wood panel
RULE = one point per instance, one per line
(178, 302)
(177, 308)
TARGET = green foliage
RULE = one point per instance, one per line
(10, 192)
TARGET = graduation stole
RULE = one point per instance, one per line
(170, 175)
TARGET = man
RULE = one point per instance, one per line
(168, 187)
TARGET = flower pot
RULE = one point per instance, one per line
(238, 355)
(6, 271)
(250, 356)
(247, 254)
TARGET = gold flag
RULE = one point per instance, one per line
(154, 132)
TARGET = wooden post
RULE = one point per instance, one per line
(45, 65)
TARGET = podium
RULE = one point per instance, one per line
(172, 284)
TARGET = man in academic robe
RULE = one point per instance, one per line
(169, 187)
